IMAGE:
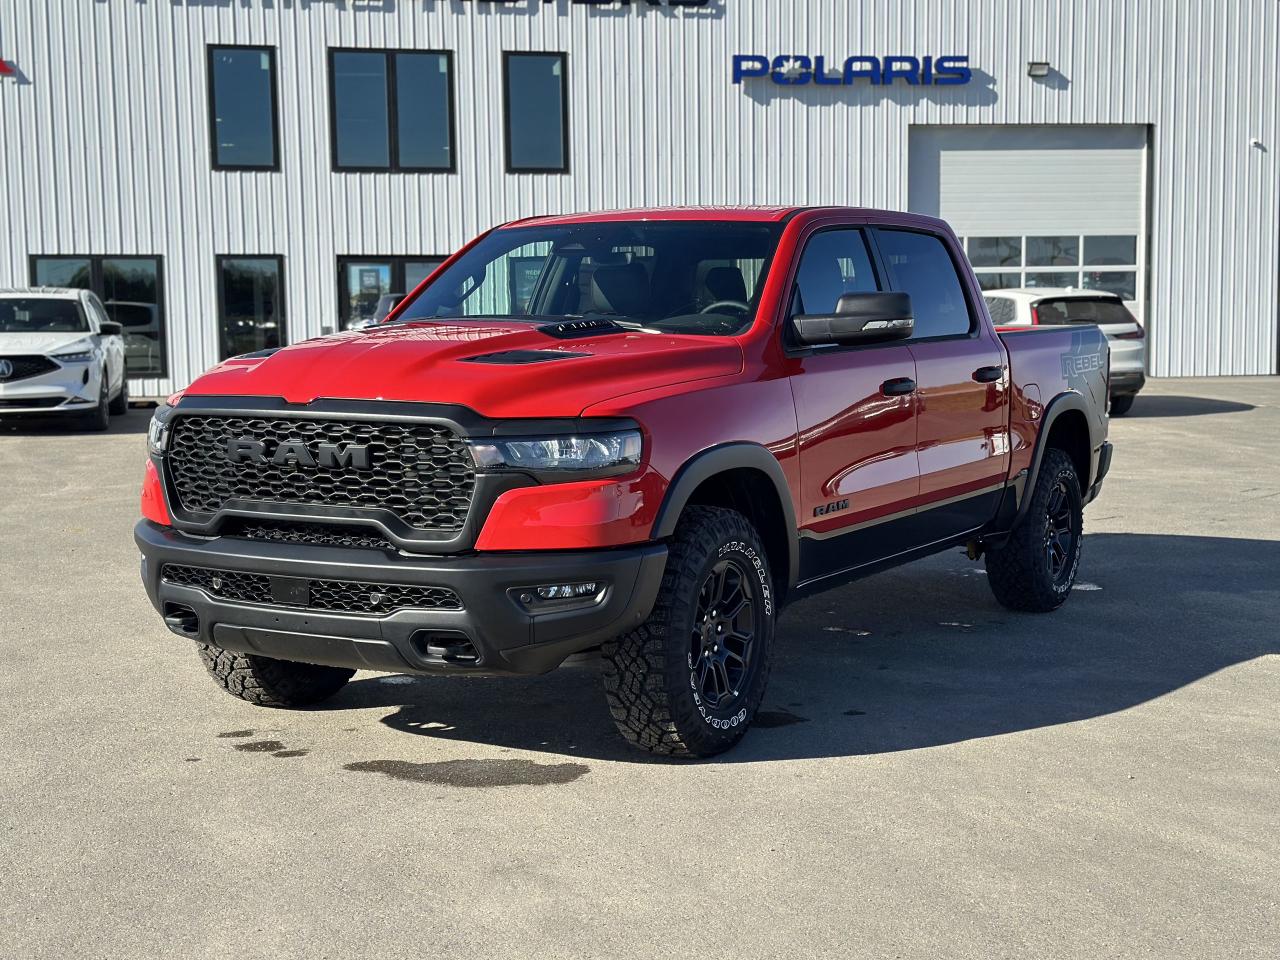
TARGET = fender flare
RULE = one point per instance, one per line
(1055, 408)
(720, 459)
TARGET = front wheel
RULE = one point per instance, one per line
(120, 405)
(1035, 569)
(266, 682)
(689, 680)
(99, 418)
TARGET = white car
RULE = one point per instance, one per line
(1049, 306)
(59, 354)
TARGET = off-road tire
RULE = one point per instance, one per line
(1020, 572)
(650, 673)
(99, 418)
(1122, 405)
(120, 405)
(266, 682)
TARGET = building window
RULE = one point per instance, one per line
(132, 290)
(392, 109)
(536, 110)
(370, 287)
(243, 112)
(251, 314)
(1107, 263)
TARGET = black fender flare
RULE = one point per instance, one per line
(721, 459)
(1055, 408)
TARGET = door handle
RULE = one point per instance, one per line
(898, 387)
(988, 374)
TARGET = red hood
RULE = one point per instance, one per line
(424, 362)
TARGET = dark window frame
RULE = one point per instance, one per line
(389, 54)
(222, 258)
(97, 286)
(507, 56)
(397, 262)
(270, 51)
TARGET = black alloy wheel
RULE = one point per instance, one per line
(723, 638)
(1060, 532)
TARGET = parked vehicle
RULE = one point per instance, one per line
(1035, 306)
(141, 323)
(59, 354)
(696, 418)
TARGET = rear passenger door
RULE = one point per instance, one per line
(857, 440)
(962, 384)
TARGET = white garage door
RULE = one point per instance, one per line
(1040, 206)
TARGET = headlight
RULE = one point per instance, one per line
(601, 454)
(81, 351)
(158, 431)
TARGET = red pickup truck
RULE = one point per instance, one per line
(644, 431)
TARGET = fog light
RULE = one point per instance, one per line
(566, 591)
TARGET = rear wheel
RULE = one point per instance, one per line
(1122, 405)
(1035, 569)
(689, 680)
(266, 682)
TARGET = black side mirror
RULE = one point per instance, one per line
(109, 328)
(859, 318)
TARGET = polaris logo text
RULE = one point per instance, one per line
(331, 456)
(795, 70)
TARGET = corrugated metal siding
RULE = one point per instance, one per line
(105, 150)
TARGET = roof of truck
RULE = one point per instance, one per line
(739, 214)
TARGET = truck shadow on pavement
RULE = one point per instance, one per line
(1156, 406)
(917, 657)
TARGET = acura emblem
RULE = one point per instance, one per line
(6, 369)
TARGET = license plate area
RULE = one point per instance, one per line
(291, 591)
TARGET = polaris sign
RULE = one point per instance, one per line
(794, 70)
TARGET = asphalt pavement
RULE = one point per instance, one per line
(932, 776)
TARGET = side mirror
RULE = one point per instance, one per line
(109, 328)
(859, 318)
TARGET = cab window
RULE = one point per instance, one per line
(920, 265)
(835, 262)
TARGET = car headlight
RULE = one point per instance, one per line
(158, 430)
(82, 351)
(593, 455)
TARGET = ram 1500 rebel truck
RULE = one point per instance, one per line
(642, 431)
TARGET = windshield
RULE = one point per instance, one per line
(1100, 310)
(41, 316)
(701, 277)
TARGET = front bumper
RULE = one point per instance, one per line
(72, 388)
(506, 635)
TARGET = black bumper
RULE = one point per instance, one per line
(1127, 384)
(506, 635)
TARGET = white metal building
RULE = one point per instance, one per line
(233, 173)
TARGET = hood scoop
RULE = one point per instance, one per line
(520, 357)
(580, 329)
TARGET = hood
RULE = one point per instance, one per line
(433, 362)
(14, 344)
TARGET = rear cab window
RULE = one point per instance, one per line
(920, 265)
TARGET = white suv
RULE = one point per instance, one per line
(1033, 306)
(59, 354)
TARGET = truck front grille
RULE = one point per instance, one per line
(319, 534)
(423, 473)
(337, 596)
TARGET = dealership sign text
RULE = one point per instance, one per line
(795, 70)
